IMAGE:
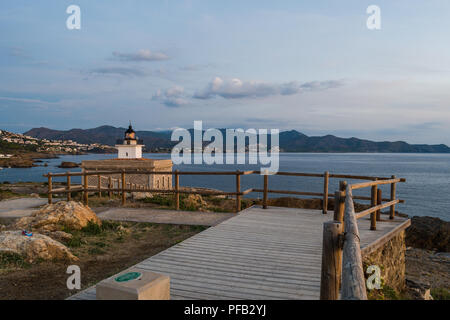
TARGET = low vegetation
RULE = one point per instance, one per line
(102, 251)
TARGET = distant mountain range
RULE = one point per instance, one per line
(290, 141)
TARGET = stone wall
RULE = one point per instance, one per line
(390, 257)
(153, 181)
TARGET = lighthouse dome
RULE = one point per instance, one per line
(130, 134)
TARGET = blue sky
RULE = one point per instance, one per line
(312, 66)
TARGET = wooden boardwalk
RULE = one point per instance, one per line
(258, 254)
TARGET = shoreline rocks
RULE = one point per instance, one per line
(429, 233)
(68, 164)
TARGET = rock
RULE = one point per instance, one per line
(141, 195)
(194, 201)
(2, 227)
(59, 235)
(429, 233)
(53, 217)
(68, 164)
(35, 247)
(123, 230)
(34, 195)
(418, 291)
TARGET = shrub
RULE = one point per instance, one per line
(440, 294)
(74, 242)
(92, 229)
(12, 259)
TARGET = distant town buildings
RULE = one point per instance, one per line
(45, 145)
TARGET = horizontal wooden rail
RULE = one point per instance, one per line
(300, 193)
(375, 183)
(376, 208)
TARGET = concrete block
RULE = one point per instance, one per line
(147, 286)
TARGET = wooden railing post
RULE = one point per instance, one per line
(50, 195)
(373, 203)
(379, 201)
(110, 186)
(86, 189)
(392, 209)
(238, 190)
(326, 178)
(177, 189)
(331, 260)
(339, 202)
(266, 187)
(69, 196)
(123, 188)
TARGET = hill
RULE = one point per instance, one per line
(290, 141)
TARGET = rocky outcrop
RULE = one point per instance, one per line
(428, 269)
(53, 217)
(418, 291)
(429, 233)
(68, 164)
(36, 247)
(59, 235)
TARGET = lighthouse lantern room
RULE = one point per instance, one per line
(131, 148)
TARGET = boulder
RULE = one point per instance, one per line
(38, 246)
(68, 164)
(52, 217)
(418, 291)
(429, 233)
(141, 195)
(59, 235)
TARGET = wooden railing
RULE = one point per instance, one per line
(120, 186)
(341, 253)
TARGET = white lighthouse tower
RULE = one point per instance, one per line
(130, 147)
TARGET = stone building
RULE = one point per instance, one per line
(129, 158)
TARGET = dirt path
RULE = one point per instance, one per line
(17, 208)
(164, 216)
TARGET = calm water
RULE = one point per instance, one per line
(427, 190)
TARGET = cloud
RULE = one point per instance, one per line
(129, 72)
(172, 97)
(19, 52)
(236, 88)
(141, 55)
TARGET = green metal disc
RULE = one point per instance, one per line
(128, 276)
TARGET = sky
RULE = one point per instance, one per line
(312, 66)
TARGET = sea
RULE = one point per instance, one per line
(426, 191)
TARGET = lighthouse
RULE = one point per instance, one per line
(129, 158)
(130, 147)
